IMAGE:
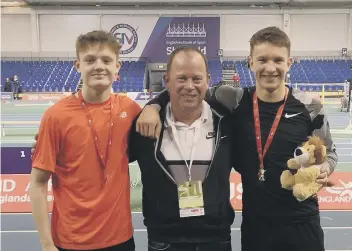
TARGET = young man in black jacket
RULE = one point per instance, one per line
(270, 121)
(185, 172)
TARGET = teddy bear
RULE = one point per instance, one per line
(301, 178)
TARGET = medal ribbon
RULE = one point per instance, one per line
(98, 148)
(261, 153)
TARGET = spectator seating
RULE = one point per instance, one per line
(51, 76)
(306, 71)
(215, 71)
(132, 74)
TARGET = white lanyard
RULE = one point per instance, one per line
(194, 143)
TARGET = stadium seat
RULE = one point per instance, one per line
(315, 72)
(61, 76)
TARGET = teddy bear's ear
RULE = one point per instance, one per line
(319, 154)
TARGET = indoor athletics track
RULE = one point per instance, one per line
(18, 232)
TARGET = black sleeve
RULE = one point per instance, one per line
(214, 103)
(234, 148)
(132, 149)
(224, 98)
(236, 137)
(162, 99)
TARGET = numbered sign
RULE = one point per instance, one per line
(16, 160)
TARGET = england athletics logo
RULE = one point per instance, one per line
(127, 37)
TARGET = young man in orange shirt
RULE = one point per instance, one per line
(77, 138)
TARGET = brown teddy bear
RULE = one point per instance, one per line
(301, 178)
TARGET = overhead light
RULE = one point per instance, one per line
(14, 4)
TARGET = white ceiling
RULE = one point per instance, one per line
(291, 3)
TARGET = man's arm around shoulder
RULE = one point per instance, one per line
(224, 99)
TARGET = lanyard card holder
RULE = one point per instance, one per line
(190, 198)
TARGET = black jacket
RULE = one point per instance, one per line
(302, 117)
(160, 197)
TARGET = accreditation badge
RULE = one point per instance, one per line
(190, 199)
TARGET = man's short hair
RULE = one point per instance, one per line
(272, 35)
(185, 50)
(95, 37)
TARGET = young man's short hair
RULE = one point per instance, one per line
(95, 37)
(185, 50)
(272, 35)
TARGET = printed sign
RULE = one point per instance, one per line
(155, 37)
(15, 160)
(141, 96)
(15, 194)
(6, 96)
(43, 97)
(338, 197)
(127, 37)
(15, 197)
(169, 33)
